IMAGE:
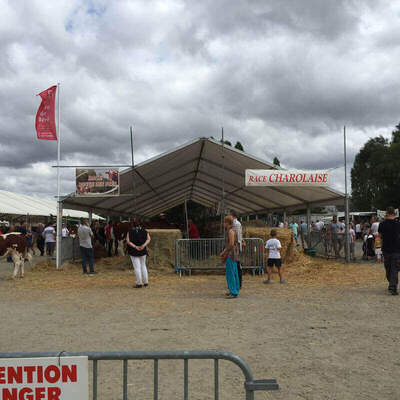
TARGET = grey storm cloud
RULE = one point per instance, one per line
(282, 77)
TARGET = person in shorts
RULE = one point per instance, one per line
(274, 246)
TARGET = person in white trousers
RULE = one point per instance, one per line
(137, 240)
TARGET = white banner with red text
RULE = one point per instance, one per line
(64, 378)
(272, 177)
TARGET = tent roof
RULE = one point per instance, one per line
(195, 171)
(19, 204)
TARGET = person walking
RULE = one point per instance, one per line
(352, 239)
(64, 231)
(294, 226)
(389, 230)
(40, 239)
(29, 239)
(237, 227)
(335, 228)
(85, 235)
(49, 235)
(303, 233)
(110, 238)
(230, 255)
(358, 231)
(374, 226)
(137, 240)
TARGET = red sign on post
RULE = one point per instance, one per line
(45, 117)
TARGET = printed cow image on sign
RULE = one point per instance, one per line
(97, 181)
(65, 378)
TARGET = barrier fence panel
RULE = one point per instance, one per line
(191, 254)
(250, 385)
(70, 249)
(332, 245)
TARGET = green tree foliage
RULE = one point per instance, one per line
(375, 176)
(276, 161)
(239, 146)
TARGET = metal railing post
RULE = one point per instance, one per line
(216, 379)
(125, 380)
(156, 379)
(94, 379)
(186, 379)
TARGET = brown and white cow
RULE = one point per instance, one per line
(120, 231)
(14, 244)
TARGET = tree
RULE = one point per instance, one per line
(375, 176)
(239, 146)
(396, 135)
(276, 161)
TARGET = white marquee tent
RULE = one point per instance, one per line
(15, 205)
(197, 171)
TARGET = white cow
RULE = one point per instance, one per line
(18, 260)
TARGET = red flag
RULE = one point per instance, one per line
(45, 116)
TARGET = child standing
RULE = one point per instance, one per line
(274, 257)
(378, 249)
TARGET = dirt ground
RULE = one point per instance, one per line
(331, 333)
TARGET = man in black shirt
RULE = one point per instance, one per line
(389, 230)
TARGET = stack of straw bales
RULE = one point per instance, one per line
(285, 236)
(162, 248)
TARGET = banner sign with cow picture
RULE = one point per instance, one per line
(97, 182)
(53, 378)
(273, 177)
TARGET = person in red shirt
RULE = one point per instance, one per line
(193, 231)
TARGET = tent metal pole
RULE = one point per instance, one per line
(223, 184)
(133, 178)
(308, 225)
(59, 203)
(186, 219)
(346, 201)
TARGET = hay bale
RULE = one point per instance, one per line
(285, 236)
(162, 247)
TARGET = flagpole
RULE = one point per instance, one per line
(59, 207)
(346, 204)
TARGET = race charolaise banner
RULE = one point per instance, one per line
(45, 117)
(273, 177)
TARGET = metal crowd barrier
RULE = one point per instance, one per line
(250, 385)
(70, 249)
(330, 245)
(203, 254)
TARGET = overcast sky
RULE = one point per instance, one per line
(281, 76)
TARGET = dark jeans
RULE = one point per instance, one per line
(40, 245)
(240, 273)
(391, 267)
(87, 256)
(50, 246)
(109, 247)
